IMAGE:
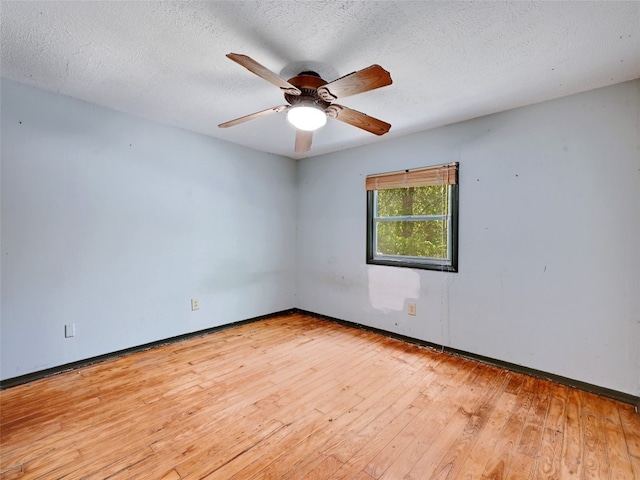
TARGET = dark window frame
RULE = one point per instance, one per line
(411, 262)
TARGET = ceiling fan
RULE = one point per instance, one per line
(310, 99)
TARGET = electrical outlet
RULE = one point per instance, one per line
(195, 304)
(70, 330)
(411, 309)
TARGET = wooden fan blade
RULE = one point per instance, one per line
(361, 81)
(263, 72)
(303, 141)
(246, 118)
(357, 119)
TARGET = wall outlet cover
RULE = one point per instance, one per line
(195, 304)
(70, 330)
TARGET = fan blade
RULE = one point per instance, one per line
(357, 119)
(361, 81)
(263, 72)
(246, 118)
(303, 141)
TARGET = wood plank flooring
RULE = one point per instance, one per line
(296, 397)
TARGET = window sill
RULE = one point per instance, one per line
(412, 264)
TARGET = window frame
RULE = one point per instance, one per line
(425, 263)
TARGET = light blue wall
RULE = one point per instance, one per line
(114, 223)
(549, 252)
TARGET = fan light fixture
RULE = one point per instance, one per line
(310, 98)
(306, 118)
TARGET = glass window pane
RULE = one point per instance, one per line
(414, 239)
(431, 200)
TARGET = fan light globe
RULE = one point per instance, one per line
(306, 118)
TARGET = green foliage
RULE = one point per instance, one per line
(415, 238)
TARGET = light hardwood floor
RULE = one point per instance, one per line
(296, 397)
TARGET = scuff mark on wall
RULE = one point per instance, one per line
(389, 287)
(445, 286)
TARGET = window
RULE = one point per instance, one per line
(412, 218)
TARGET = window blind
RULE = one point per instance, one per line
(446, 174)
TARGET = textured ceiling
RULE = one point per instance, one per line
(449, 61)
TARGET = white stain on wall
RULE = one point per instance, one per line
(390, 287)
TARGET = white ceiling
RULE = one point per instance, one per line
(450, 61)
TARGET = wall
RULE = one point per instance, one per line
(549, 265)
(114, 223)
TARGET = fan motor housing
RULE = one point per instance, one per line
(308, 83)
